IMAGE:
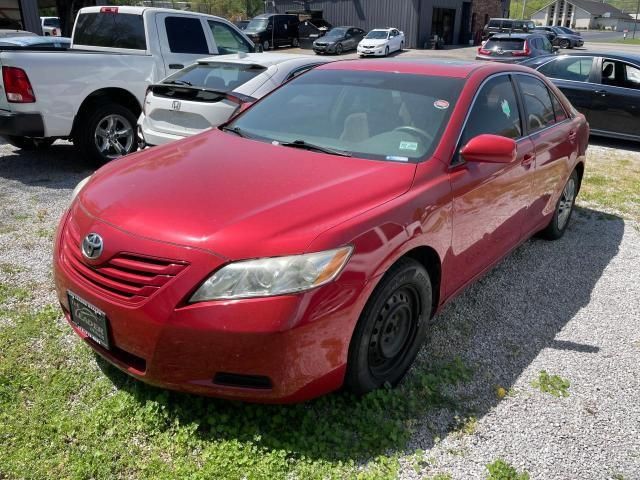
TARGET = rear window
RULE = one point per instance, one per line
(494, 23)
(113, 30)
(52, 22)
(221, 77)
(504, 44)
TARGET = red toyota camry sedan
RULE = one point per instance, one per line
(307, 244)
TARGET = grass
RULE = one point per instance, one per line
(501, 470)
(630, 41)
(612, 183)
(551, 384)
(63, 417)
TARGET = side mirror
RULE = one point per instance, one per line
(489, 149)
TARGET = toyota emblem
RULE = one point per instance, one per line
(92, 246)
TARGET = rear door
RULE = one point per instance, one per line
(182, 40)
(554, 137)
(575, 76)
(616, 100)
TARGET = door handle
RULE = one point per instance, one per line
(602, 93)
(572, 135)
(176, 66)
(528, 159)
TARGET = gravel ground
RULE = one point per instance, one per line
(570, 307)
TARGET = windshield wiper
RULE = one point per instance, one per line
(317, 148)
(237, 130)
(179, 82)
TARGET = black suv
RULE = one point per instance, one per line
(272, 30)
(507, 25)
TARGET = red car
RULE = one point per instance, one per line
(308, 243)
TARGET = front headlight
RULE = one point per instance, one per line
(273, 276)
(79, 187)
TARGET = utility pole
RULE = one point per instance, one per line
(524, 4)
(635, 23)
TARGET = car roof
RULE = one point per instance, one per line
(427, 67)
(382, 29)
(140, 10)
(25, 41)
(263, 59)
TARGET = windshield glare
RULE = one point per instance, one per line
(375, 115)
(377, 34)
(221, 77)
(336, 33)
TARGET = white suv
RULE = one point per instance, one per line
(50, 26)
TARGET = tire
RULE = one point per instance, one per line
(564, 44)
(28, 143)
(339, 49)
(401, 46)
(391, 329)
(295, 43)
(386, 51)
(561, 216)
(265, 45)
(88, 136)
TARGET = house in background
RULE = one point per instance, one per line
(583, 14)
(456, 21)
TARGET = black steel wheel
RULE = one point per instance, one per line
(391, 329)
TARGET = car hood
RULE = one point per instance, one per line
(374, 42)
(237, 197)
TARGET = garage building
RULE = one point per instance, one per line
(456, 21)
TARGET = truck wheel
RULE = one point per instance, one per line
(265, 45)
(28, 143)
(106, 133)
(295, 43)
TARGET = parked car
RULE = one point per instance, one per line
(308, 243)
(570, 31)
(514, 48)
(50, 26)
(35, 43)
(338, 40)
(209, 92)
(381, 42)
(604, 87)
(506, 25)
(272, 30)
(93, 92)
(550, 34)
(561, 38)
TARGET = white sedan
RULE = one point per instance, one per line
(381, 42)
(207, 93)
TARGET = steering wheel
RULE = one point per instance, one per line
(415, 131)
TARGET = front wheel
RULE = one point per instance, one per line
(106, 133)
(339, 49)
(401, 46)
(295, 43)
(29, 143)
(265, 45)
(564, 208)
(565, 44)
(386, 51)
(391, 328)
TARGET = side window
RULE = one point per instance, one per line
(537, 103)
(227, 39)
(558, 109)
(494, 111)
(494, 23)
(507, 24)
(620, 74)
(569, 68)
(632, 76)
(185, 35)
(546, 44)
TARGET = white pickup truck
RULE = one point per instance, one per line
(93, 92)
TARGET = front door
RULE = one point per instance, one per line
(183, 40)
(490, 200)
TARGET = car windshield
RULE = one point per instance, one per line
(566, 30)
(504, 44)
(336, 33)
(257, 24)
(377, 34)
(218, 76)
(374, 115)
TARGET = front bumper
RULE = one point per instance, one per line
(377, 51)
(21, 124)
(324, 48)
(297, 344)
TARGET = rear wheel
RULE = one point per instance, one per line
(391, 328)
(564, 208)
(107, 132)
(29, 143)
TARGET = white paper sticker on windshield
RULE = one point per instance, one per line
(397, 159)
(413, 146)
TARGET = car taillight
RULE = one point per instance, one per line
(17, 85)
(524, 52)
(109, 10)
(54, 32)
(483, 51)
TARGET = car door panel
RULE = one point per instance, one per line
(180, 50)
